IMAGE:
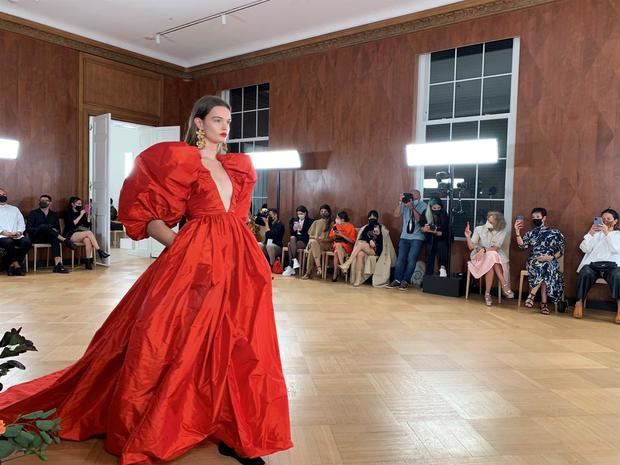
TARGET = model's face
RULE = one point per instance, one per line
(492, 221)
(609, 220)
(324, 213)
(372, 218)
(44, 202)
(436, 208)
(216, 125)
(416, 195)
(77, 203)
(273, 216)
(301, 216)
(3, 194)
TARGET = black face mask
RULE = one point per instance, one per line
(78, 208)
(3, 198)
(44, 204)
(537, 222)
(372, 222)
(325, 215)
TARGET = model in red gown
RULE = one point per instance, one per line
(191, 352)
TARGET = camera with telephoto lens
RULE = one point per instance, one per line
(407, 197)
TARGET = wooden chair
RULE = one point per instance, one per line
(325, 257)
(116, 237)
(598, 281)
(35, 249)
(81, 247)
(499, 288)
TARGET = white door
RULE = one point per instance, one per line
(100, 215)
(148, 137)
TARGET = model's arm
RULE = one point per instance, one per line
(158, 230)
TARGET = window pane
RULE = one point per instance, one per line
(430, 183)
(261, 145)
(442, 66)
(249, 124)
(496, 129)
(465, 174)
(491, 180)
(437, 132)
(469, 62)
(496, 95)
(263, 96)
(233, 147)
(247, 147)
(235, 99)
(461, 219)
(263, 123)
(235, 126)
(249, 98)
(465, 131)
(467, 99)
(440, 101)
(498, 57)
(484, 207)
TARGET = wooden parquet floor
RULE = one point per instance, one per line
(377, 376)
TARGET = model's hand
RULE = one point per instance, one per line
(545, 258)
(518, 226)
(467, 231)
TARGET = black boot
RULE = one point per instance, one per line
(230, 452)
(102, 255)
(88, 264)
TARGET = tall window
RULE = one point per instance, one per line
(470, 93)
(249, 130)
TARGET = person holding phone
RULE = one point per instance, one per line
(318, 242)
(299, 238)
(600, 244)
(343, 236)
(78, 230)
(488, 257)
(435, 225)
(546, 246)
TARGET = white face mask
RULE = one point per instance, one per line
(301, 217)
(488, 225)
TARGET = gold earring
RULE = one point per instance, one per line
(200, 139)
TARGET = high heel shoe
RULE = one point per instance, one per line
(102, 255)
(508, 292)
(230, 452)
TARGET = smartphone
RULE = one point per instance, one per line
(520, 217)
(598, 221)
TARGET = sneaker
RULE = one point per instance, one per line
(289, 271)
(403, 286)
(60, 269)
(295, 264)
(393, 284)
(443, 273)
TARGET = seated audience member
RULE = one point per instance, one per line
(435, 226)
(43, 227)
(115, 225)
(319, 241)
(543, 268)
(488, 257)
(373, 240)
(299, 238)
(410, 209)
(272, 247)
(342, 235)
(600, 244)
(77, 229)
(12, 239)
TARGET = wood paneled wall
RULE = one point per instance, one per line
(47, 92)
(358, 103)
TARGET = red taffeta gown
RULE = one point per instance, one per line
(191, 352)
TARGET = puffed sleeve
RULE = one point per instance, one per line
(158, 187)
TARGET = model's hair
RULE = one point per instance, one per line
(541, 210)
(202, 108)
(47, 196)
(613, 213)
(302, 209)
(275, 210)
(344, 216)
(429, 210)
(373, 213)
(500, 221)
(326, 207)
(74, 199)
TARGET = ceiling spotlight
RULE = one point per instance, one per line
(224, 18)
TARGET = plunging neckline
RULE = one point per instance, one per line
(217, 186)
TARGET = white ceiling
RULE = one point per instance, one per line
(125, 23)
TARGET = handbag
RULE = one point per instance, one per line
(603, 266)
(277, 267)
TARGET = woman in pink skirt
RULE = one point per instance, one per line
(487, 256)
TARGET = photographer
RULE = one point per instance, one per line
(343, 235)
(601, 246)
(272, 247)
(435, 225)
(410, 208)
(262, 217)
